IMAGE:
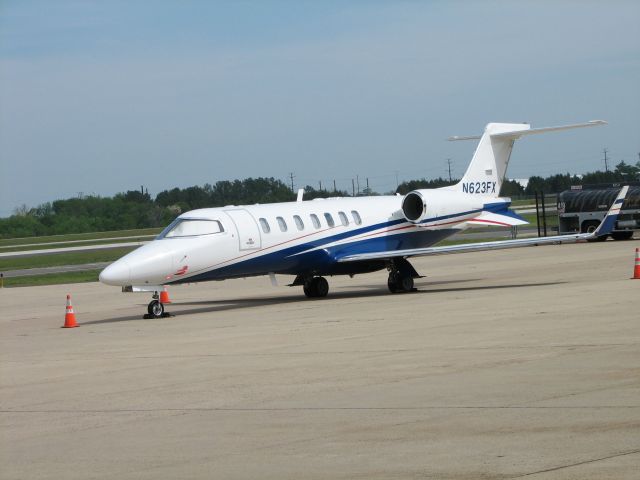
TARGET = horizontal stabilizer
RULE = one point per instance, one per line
(531, 131)
(509, 219)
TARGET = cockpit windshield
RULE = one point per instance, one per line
(191, 227)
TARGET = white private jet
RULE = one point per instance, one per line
(338, 236)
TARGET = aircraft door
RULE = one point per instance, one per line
(246, 228)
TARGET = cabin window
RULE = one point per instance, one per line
(282, 224)
(356, 217)
(343, 219)
(330, 221)
(315, 220)
(191, 227)
(265, 225)
(298, 222)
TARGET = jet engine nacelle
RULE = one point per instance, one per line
(420, 205)
(414, 206)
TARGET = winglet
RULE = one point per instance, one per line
(609, 221)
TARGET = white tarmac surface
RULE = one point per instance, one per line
(507, 364)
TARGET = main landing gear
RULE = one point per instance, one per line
(313, 287)
(316, 287)
(401, 275)
(155, 309)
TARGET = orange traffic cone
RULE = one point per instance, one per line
(636, 269)
(164, 296)
(70, 316)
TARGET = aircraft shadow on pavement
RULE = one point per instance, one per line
(213, 306)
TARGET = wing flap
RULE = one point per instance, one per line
(509, 219)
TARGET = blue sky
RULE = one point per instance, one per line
(101, 97)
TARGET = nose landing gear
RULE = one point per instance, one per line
(155, 309)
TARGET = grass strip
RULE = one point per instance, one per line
(52, 279)
(18, 248)
(80, 236)
(60, 259)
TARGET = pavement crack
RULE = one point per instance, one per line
(632, 452)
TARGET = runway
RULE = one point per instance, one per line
(505, 364)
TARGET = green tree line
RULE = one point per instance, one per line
(136, 209)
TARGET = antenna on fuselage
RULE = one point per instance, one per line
(300, 194)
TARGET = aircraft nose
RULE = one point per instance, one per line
(118, 273)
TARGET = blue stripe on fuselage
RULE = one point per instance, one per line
(496, 207)
(320, 262)
(298, 259)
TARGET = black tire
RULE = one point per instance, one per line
(322, 287)
(398, 283)
(308, 289)
(405, 283)
(155, 309)
(628, 235)
(392, 282)
(589, 226)
(317, 287)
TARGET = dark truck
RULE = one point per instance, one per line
(583, 207)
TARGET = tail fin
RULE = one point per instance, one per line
(489, 164)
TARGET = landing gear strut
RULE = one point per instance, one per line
(316, 287)
(155, 309)
(401, 275)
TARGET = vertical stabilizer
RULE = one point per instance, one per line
(489, 164)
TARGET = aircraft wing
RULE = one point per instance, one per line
(605, 227)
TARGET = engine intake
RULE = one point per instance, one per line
(414, 207)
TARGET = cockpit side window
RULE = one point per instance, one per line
(191, 227)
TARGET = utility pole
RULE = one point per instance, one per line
(397, 184)
(606, 165)
(353, 187)
(367, 184)
(449, 164)
(291, 177)
(334, 186)
(320, 183)
(358, 183)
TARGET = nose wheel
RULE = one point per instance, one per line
(155, 309)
